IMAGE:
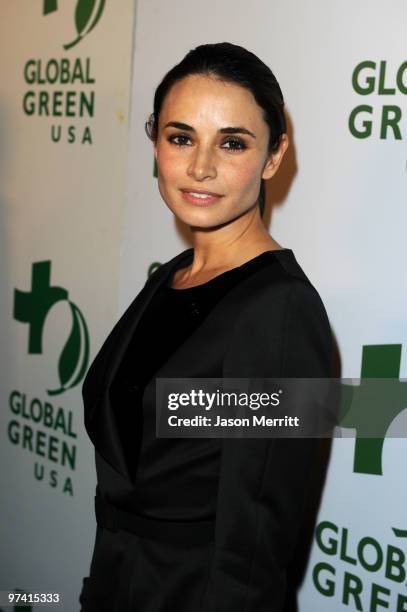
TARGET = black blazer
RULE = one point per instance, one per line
(271, 324)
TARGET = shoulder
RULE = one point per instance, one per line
(282, 325)
(280, 286)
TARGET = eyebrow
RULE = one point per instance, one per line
(225, 130)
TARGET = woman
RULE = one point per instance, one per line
(205, 524)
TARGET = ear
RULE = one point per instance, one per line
(273, 162)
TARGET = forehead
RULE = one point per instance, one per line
(201, 98)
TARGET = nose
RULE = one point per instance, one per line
(202, 164)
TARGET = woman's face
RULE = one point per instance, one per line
(209, 153)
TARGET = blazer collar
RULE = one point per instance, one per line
(99, 418)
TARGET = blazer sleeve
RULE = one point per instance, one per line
(263, 482)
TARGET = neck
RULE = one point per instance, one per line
(230, 244)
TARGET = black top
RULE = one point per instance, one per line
(188, 467)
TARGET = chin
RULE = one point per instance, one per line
(200, 218)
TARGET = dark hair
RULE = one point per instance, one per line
(234, 64)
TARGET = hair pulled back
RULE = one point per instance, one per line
(234, 64)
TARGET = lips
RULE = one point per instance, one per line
(211, 193)
(200, 197)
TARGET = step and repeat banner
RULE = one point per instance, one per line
(64, 121)
(83, 224)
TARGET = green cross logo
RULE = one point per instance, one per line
(32, 307)
(365, 403)
(87, 15)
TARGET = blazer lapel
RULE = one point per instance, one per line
(98, 413)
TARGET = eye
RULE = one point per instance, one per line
(237, 145)
(180, 140)
(182, 137)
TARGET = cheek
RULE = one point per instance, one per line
(169, 164)
(243, 177)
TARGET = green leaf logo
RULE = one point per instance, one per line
(74, 357)
(32, 308)
(87, 15)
